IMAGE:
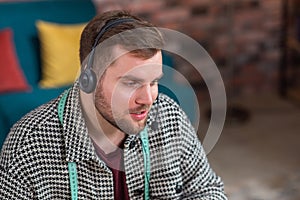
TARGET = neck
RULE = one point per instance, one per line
(105, 135)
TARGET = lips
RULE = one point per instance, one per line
(139, 115)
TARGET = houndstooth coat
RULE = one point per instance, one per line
(34, 159)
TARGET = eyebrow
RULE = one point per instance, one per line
(134, 78)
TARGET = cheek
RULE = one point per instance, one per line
(154, 92)
(120, 98)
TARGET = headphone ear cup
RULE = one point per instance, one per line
(88, 81)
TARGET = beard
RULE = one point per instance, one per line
(118, 118)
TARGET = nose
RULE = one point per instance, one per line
(145, 95)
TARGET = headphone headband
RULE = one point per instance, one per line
(108, 25)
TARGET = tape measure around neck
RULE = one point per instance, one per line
(73, 180)
(71, 165)
(147, 166)
(61, 106)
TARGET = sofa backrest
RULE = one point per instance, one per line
(21, 18)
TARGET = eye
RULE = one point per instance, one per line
(154, 83)
(132, 84)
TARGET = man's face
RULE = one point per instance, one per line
(127, 90)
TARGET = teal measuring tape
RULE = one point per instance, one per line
(61, 106)
(147, 166)
(72, 166)
(73, 180)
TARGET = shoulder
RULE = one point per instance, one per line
(167, 105)
(28, 132)
(169, 111)
(174, 121)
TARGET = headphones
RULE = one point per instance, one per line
(88, 78)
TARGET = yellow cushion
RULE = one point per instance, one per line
(59, 45)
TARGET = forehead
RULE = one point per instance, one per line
(129, 64)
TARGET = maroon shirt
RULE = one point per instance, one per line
(115, 161)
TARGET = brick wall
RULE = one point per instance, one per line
(241, 36)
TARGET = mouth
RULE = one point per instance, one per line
(139, 115)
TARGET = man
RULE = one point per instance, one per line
(110, 136)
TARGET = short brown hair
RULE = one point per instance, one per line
(92, 29)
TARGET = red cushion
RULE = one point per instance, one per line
(12, 78)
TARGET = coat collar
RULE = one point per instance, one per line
(78, 144)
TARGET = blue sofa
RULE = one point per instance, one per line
(21, 18)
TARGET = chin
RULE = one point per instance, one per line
(130, 127)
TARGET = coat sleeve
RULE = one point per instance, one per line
(13, 187)
(199, 180)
